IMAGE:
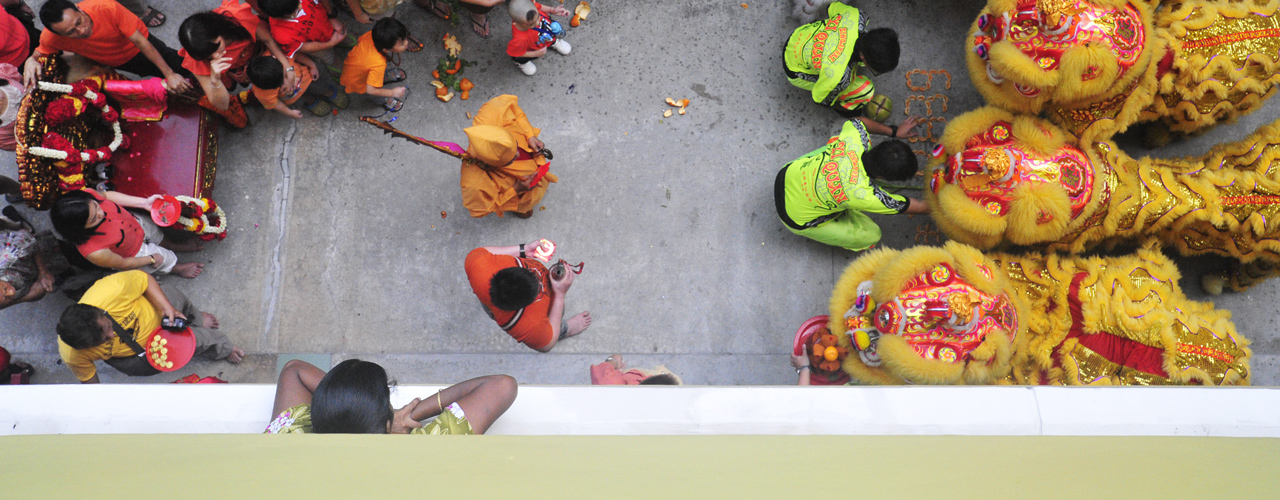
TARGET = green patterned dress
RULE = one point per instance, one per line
(297, 420)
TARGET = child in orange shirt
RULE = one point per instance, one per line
(267, 75)
(365, 70)
(532, 32)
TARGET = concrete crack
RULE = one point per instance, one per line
(275, 270)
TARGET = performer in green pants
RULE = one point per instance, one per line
(822, 195)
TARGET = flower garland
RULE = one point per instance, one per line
(70, 161)
(206, 218)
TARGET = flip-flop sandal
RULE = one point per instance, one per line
(439, 8)
(319, 107)
(476, 27)
(414, 44)
(153, 18)
(393, 104)
(394, 75)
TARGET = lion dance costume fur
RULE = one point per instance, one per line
(953, 315)
(1095, 67)
(1018, 179)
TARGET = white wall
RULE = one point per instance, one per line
(586, 410)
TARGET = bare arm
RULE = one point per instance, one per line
(130, 201)
(110, 260)
(172, 81)
(916, 206)
(156, 297)
(482, 399)
(555, 316)
(397, 92)
(298, 381)
(801, 364)
(536, 53)
(514, 250)
(906, 129)
(287, 111)
(358, 12)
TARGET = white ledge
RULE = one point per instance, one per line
(608, 410)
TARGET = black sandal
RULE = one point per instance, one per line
(153, 18)
(476, 27)
(394, 75)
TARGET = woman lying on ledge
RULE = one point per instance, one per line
(355, 398)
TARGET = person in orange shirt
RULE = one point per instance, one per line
(108, 34)
(522, 296)
(217, 46)
(267, 76)
(365, 69)
(513, 157)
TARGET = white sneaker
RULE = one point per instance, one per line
(561, 46)
(528, 68)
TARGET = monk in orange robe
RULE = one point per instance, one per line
(508, 180)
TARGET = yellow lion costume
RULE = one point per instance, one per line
(1019, 179)
(953, 315)
(1095, 67)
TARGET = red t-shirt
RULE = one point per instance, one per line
(532, 326)
(523, 41)
(15, 46)
(108, 43)
(310, 24)
(119, 231)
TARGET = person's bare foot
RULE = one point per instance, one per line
(578, 323)
(210, 321)
(237, 355)
(188, 269)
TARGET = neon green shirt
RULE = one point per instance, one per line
(832, 179)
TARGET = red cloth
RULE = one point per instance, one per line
(15, 46)
(606, 374)
(523, 41)
(311, 25)
(119, 231)
(533, 328)
(108, 43)
(239, 52)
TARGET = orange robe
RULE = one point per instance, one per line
(492, 189)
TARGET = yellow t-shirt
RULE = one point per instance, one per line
(121, 296)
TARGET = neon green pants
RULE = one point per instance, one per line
(852, 230)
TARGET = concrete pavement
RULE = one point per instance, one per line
(348, 243)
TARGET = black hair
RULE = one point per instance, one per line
(199, 34)
(513, 288)
(660, 379)
(52, 11)
(891, 161)
(278, 8)
(78, 327)
(387, 32)
(69, 215)
(353, 398)
(266, 72)
(879, 47)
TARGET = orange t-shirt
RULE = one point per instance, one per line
(532, 326)
(108, 43)
(239, 51)
(364, 66)
(270, 97)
